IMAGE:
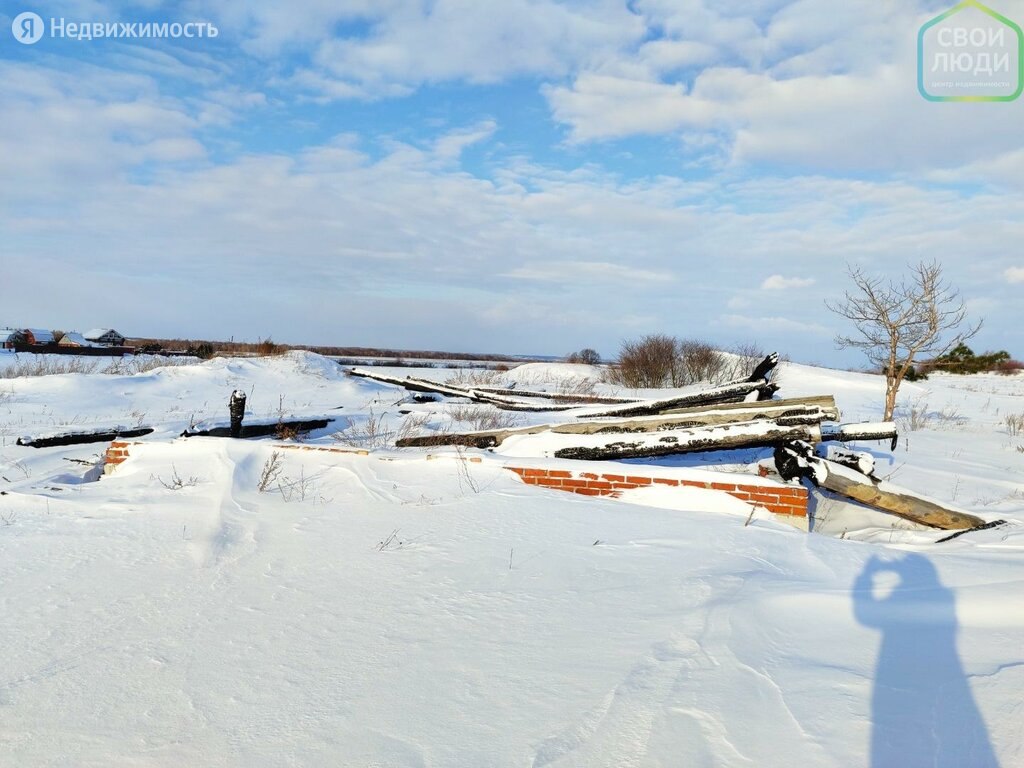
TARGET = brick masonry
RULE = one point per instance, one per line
(778, 499)
(116, 453)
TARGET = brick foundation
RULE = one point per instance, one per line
(116, 453)
(779, 499)
(790, 500)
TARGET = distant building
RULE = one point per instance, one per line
(73, 339)
(108, 337)
(11, 336)
(38, 336)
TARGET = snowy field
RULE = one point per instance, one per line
(386, 610)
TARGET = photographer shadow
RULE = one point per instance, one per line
(922, 710)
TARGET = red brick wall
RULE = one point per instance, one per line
(116, 453)
(781, 500)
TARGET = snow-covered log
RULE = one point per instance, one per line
(882, 430)
(798, 460)
(784, 412)
(733, 392)
(413, 384)
(751, 434)
(410, 383)
(557, 397)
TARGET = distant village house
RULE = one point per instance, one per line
(73, 339)
(9, 337)
(108, 337)
(38, 336)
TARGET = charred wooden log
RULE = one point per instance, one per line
(765, 368)
(82, 437)
(275, 428)
(798, 460)
(236, 409)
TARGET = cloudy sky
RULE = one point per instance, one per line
(520, 176)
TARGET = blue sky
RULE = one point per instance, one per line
(523, 176)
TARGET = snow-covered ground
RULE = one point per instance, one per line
(387, 610)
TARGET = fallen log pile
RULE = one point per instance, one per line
(739, 414)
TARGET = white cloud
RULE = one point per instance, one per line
(406, 45)
(815, 87)
(450, 145)
(1014, 275)
(776, 325)
(587, 271)
(780, 283)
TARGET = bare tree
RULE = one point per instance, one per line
(921, 315)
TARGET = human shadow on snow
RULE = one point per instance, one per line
(922, 710)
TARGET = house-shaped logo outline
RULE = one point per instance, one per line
(995, 15)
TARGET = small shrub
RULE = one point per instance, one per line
(204, 350)
(46, 365)
(482, 417)
(576, 385)
(647, 362)
(659, 360)
(916, 417)
(177, 482)
(1010, 367)
(370, 433)
(700, 362)
(270, 472)
(474, 377)
(129, 366)
(1014, 423)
